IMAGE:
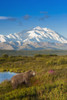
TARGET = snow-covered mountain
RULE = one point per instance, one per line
(37, 38)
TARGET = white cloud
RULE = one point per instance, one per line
(7, 18)
(3, 18)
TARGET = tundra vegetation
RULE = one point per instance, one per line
(50, 82)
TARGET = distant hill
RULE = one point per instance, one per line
(32, 52)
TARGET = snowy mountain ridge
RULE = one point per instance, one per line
(36, 35)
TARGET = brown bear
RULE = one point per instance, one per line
(21, 78)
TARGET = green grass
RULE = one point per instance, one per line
(50, 82)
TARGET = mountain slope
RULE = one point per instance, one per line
(37, 38)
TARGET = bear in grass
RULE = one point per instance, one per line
(22, 78)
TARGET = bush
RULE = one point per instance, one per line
(38, 55)
(62, 61)
(5, 55)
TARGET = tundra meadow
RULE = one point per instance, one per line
(50, 82)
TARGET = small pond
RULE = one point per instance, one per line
(6, 76)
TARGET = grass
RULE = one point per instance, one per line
(50, 82)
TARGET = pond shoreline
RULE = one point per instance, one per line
(6, 76)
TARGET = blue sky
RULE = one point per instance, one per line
(18, 15)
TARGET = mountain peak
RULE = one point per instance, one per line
(46, 29)
(38, 27)
(36, 36)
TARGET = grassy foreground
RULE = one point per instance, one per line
(50, 82)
